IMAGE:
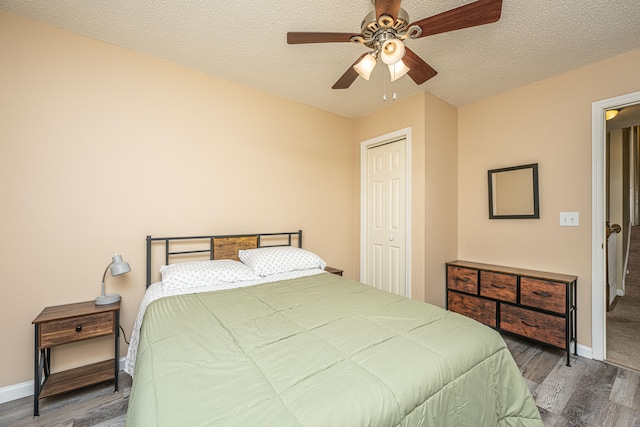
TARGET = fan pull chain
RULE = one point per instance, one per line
(384, 86)
(392, 76)
(393, 79)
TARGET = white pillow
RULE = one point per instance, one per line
(201, 273)
(280, 259)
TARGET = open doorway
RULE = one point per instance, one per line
(623, 237)
(599, 218)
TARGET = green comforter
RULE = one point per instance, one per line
(321, 351)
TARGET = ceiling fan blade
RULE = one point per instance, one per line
(304, 37)
(349, 76)
(477, 13)
(419, 71)
(388, 8)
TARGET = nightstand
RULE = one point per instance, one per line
(333, 270)
(64, 324)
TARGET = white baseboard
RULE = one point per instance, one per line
(584, 351)
(16, 391)
(25, 389)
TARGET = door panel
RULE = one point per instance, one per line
(386, 217)
(376, 267)
(378, 205)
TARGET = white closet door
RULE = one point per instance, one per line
(386, 217)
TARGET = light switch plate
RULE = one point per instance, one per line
(569, 219)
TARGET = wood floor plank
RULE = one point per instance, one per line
(608, 415)
(589, 404)
(556, 390)
(625, 388)
(552, 420)
(540, 365)
(626, 417)
(118, 421)
(86, 406)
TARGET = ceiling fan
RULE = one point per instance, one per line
(384, 30)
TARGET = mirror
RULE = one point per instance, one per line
(513, 192)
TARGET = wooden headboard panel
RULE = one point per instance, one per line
(216, 247)
(228, 247)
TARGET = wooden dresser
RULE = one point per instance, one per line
(532, 304)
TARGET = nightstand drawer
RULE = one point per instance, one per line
(539, 326)
(78, 328)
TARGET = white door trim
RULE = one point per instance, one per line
(364, 146)
(598, 218)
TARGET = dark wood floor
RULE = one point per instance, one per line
(93, 406)
(589, 393)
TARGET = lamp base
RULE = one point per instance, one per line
(107, 299)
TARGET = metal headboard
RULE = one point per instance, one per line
(219, 242)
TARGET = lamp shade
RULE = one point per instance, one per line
(365, 66)
(397, 70)
(392, 51)
(119, 266)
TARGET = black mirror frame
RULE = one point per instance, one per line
(536, 198)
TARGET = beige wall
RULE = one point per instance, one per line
(433, 126)
(548, 123)
(100, 146)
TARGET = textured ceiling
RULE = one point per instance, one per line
(245, 41)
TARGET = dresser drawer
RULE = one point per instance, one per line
(78, 328)
(538, 326)
(482, 310)
(499, 286)
(544, 294)
(462, 279)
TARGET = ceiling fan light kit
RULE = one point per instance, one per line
(392, 51)
(385, 29)
(397, 70)
(366, 65)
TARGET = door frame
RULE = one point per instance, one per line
(364, 146)
(598, 218)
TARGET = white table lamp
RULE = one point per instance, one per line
(118, 266)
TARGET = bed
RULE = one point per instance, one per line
(267, 347)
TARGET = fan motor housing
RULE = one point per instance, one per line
(374, 34)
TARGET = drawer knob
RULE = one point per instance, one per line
(78, 328)
(470, 308)
(498, 286)
(531, 325)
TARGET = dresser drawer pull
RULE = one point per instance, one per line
(470, 308)
(78, 328)
(529, 324)
(461, 279)
(543, 294)
(498, 286)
